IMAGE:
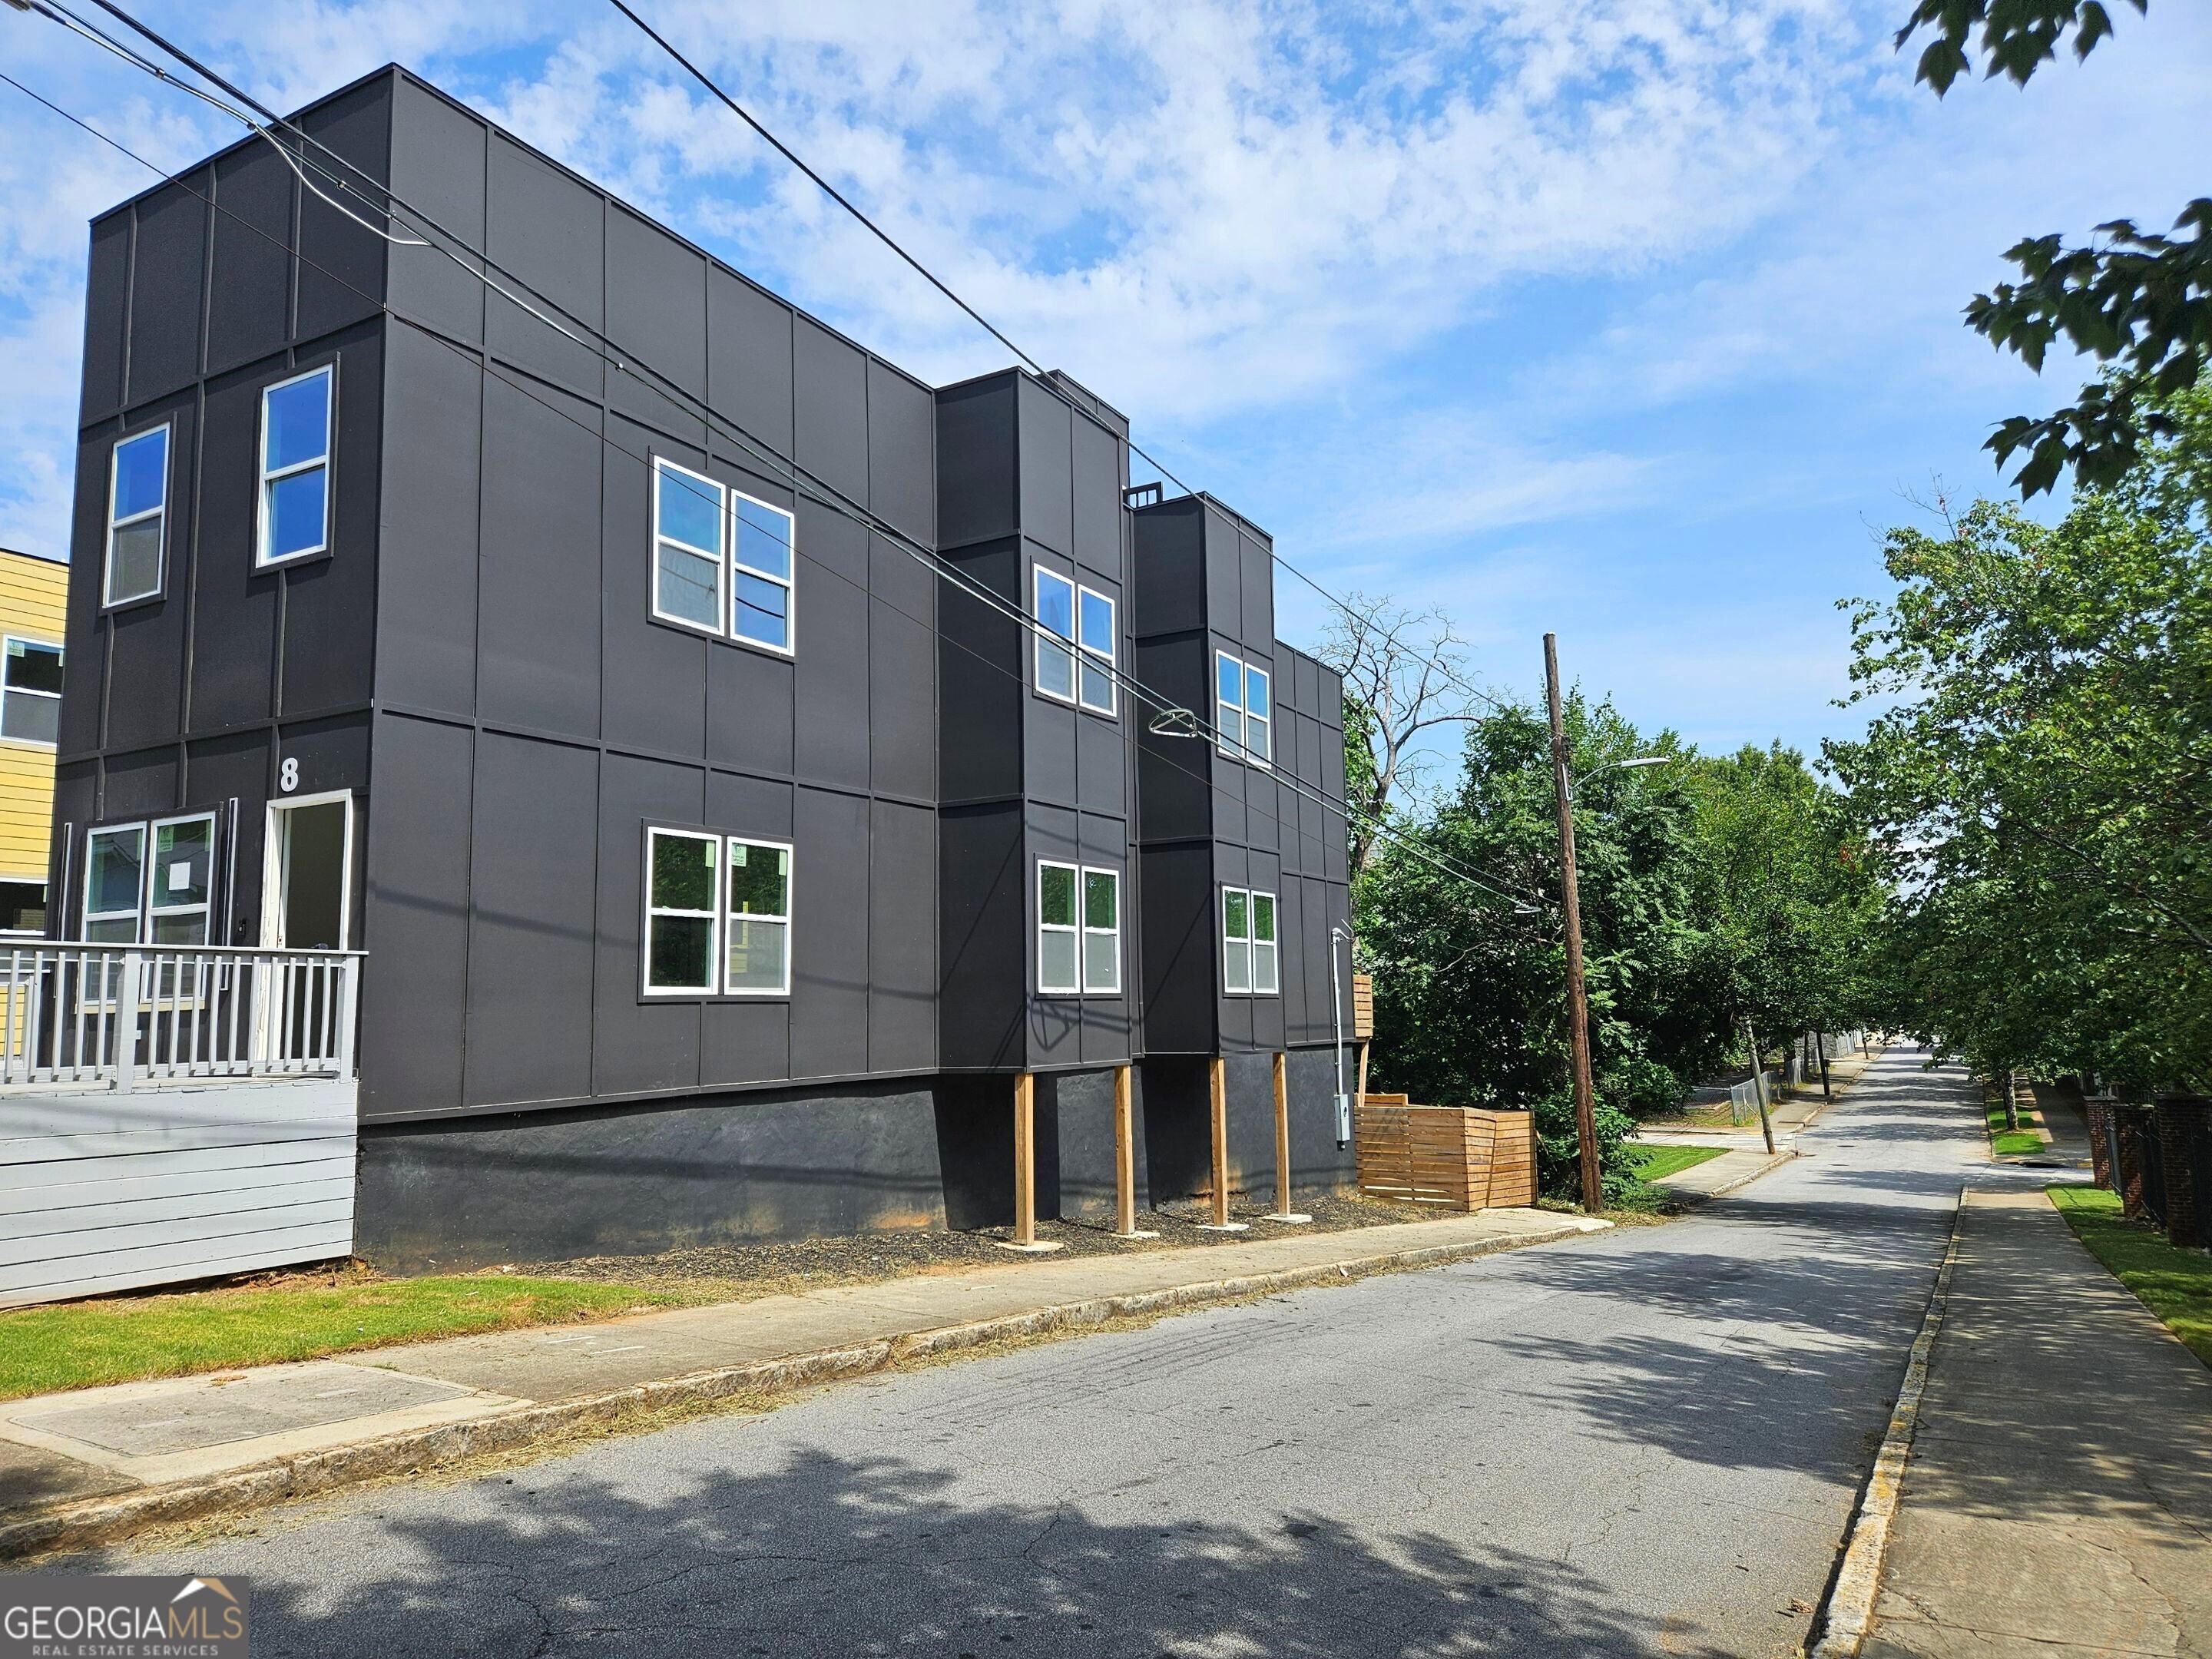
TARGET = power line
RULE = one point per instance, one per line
(938, 283)
(1138, 691)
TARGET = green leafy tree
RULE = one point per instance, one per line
(2042, 787)
(2136, 300)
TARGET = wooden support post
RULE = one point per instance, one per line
(1125, 1160)
(1217, 1083)
(1024, 1158)
(1360, 1098)
(1282, 1211)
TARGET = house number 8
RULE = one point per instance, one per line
(288, 775)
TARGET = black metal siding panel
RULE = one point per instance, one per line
(548, 231)
(341, 261)
(902, 690)
(538, 600)
(107, 308)
(1046, 451)
(330, 602)
(749, 709)
(983, 952)
(902, 452)
(638, 1043)
(829, 428)
(234, 606)
(533, 834)
(976, 463)
(1173, 794)
(1177, 971)
(748, 358)
(238, 767)
(1224, 586)
(84, 685)
(829, 935)
(831, 625)
(167, 269)
(982, 664)
(1257, 585)
(1168, 572)
(655, 686)
(657, 315)
(901, 938)
(1101, 473)
(1102, 756)
(438, 164)
(425, 634)
(414, 1002)
(137, 785)
(249, 299)
(1289, 923)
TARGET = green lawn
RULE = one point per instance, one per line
(1653, 1162)
(2004, 1142)
(2176, 1285)
(132, 1339)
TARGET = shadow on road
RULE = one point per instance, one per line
(843, 1557)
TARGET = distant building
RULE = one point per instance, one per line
(33, 607)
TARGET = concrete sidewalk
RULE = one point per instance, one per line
(2058, 1500)
(97, 1464)
(1718, 1175)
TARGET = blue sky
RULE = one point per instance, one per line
(1635, 321)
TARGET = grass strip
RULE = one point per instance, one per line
(1655, 1162)
(136, 1338)
(2007, 1143)
(2174, 1284)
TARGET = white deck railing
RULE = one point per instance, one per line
(119, 1015)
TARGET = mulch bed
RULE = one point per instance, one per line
(737, 1271)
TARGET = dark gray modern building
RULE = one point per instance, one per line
(629, 673)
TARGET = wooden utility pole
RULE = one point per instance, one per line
(1759, 1085)
(1571, 894)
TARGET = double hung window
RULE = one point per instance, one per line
(1245, 710)
(722, 561)
(138, 513)
(31, 691)
(1079, 930)
(1075, 640)
(1249, 950)
(150, 884)
(295, 469)
(717, 915)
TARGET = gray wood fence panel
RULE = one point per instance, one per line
(104, 1192)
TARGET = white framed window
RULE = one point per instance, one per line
(1057, 933)
(150, 884)
(1094, 613)
(690, 523)
(114, 884)
(1244, 709)
(760, 595)
(137, 517)
(682, 912)
(295, 468)
(1250, 965)
(1079, 930)
(31, 691)
(22, 908)
(1101, 932)
(179, 880)
(758, 961)
(717, 914)
(1052, 601)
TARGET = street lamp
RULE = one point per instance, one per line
(1623, 765)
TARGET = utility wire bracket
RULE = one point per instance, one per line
(1175, 723)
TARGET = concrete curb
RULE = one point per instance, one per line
(1846, 1614)
(105, 1519)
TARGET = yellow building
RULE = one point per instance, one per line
(33, 599)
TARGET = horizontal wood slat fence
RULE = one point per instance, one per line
(1456, 1158)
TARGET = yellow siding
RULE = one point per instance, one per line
(34, 603)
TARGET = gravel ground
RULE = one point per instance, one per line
(736, 1271)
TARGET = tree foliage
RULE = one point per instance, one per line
(1707, 889)
(2139, 301)
(2042, 787)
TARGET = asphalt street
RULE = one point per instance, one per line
(1644, 1441)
